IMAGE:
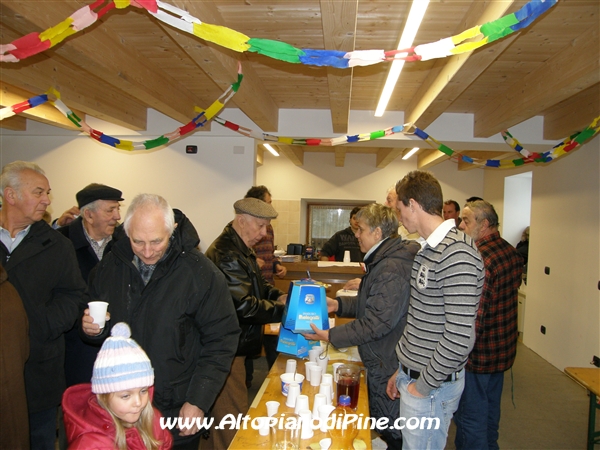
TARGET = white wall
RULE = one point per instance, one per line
(517, 209)
(204, 186)
(359, 179)
(564, 236)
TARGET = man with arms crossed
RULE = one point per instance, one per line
(478, 416)
(446, 282)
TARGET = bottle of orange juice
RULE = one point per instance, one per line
(344, 428)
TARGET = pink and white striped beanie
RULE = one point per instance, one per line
(121, 364)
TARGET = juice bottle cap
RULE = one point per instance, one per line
(344, 400)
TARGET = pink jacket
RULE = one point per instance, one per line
(89, 426)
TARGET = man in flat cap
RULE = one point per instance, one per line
(256, 301)
(92, 235)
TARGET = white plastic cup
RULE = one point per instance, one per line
(263, 425)
(290, 366)
(347, 256)
(322, 362)
(301, 404)
(313, 354)
(326, 390)
(98, 312)
(315, 375)
(272, 408)
(327, 378)
(324, 412)
(307, 366)
(306, 431)
(293, 393)
(325, 443)
(320, 400)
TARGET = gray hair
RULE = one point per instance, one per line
(89, 207)
(484, 211)
(142, 201)
(376, 215)
(11, 175)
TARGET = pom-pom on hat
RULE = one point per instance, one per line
(121, 364)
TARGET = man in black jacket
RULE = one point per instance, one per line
(178, 307)
(256, 301)
(41, 265)
(92, 236)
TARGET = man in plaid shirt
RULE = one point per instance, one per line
(478, 415)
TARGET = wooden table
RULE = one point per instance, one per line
(336, 276)
(590, 379)
(271, 390)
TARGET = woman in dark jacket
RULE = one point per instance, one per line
(380, 308)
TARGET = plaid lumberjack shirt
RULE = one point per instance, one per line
(496, 325)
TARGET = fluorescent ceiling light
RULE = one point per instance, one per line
(410, 153)
(413, 22)
(271, 149)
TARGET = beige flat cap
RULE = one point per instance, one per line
(255, 207)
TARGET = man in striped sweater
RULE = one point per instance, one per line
(446, 284)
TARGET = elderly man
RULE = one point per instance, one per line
(177, 305)
(478, 416)
(269, 266)
(452, 211)
(446, 282)
(256, 301)
(92, 235)
(41, 265)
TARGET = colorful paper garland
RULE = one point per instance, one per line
(34, 43)
(572, 142)
(53, 97)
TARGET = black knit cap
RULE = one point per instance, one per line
(255, 207)
(96, 191)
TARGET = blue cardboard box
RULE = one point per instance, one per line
(294, 344)
(306, 303)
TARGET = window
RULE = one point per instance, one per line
(324, 220)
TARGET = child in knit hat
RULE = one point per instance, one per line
(115, 411)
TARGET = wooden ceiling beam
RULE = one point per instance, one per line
(386, 156)
(340, 156)
(441, 87)
(48, 114)
(427, 158)
(221, 65)
(104, 54)
(295, 153)
(566, 73)
(572, 114)
(15, 123)
(339, 33)
(260, 155)
(79, 91)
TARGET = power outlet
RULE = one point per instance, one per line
(596, 361)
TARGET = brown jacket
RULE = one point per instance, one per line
(14, 351)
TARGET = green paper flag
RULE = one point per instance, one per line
(499, 28)
(275, 49)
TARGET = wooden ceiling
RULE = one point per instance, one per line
(128, 62)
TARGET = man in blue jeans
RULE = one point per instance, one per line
(478, 416)
(446, 283)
